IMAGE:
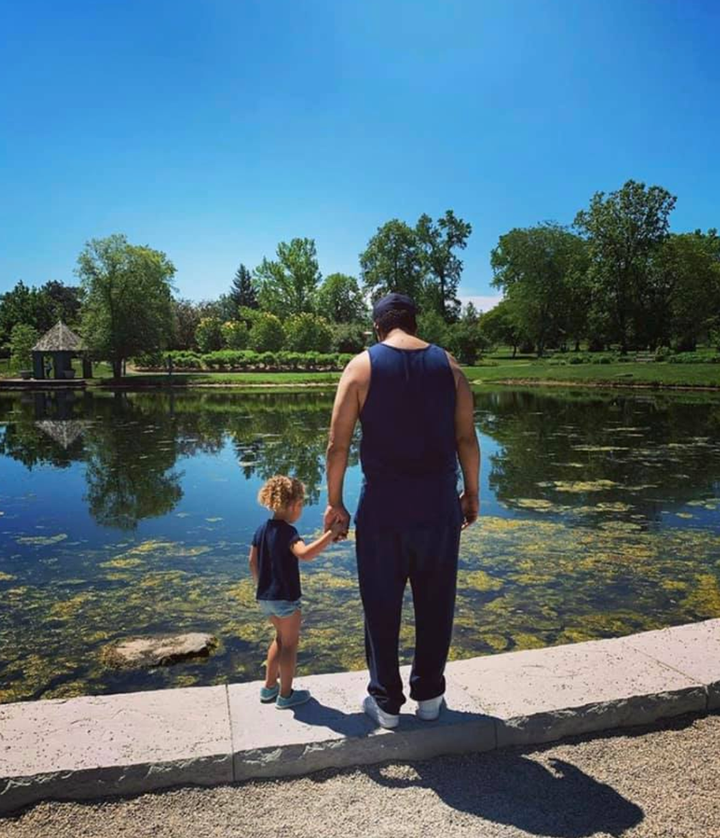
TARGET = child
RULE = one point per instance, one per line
(276, 548)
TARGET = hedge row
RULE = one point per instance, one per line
(239, 360)
(662, 355)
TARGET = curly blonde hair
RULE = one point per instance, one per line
(280, 491)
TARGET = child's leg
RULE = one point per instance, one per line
(288, 630)
(272, 669)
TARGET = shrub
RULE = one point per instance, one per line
(348, 338)
(208, 334)
(308, 333)
(267, 333)
(234, 334)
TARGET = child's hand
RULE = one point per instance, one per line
(338, 530)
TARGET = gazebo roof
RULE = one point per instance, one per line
(59, 339)
(64, 432)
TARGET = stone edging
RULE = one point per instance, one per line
(94, 746)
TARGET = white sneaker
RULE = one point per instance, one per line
(386, 720)
(429, 710)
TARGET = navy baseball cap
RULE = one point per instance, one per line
(391, 302)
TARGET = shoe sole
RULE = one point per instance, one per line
(290, 706)
(427, 718)
(268, 700)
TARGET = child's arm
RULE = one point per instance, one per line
(307, 552)
(253, 562)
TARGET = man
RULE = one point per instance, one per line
(416, 411)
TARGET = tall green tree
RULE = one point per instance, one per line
(624, 230)
(501, 327)
(20, 305)
(538, 268)
(187, 317)
(685, 299)
(62, 301)
(242, 291)
(288, 285)
(393, 261)
(438, 242)
(340, 300)
(128, 306)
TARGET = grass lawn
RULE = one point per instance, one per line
(499, 366)
(502, 367)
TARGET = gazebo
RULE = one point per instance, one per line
(62, 344)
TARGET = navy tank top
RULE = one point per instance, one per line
(408, 451)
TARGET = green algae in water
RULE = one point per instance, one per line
(41, 540)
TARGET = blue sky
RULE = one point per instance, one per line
(212, 130)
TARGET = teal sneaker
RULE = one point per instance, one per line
(296, 697)
(268, 694)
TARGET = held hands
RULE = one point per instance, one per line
(337, 519)
(470, 505)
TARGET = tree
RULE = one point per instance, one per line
(393, 261)
(349, 337)
(340, 300)
(432, 327)
(624, 231)
(22, 340)
(267, 333)
(466, 340)
(242, 292)
(308, 333)
(186, 320)
(62, 302)
(288, 285)
(685, 300)
(208, 334)
(234, 334)
(500, 326)
(438, 240)
(536, 267)
(128, 299)
(19, 305)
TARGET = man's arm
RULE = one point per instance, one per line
(468, 448)
(344, 416)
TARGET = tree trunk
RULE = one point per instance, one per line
(117, 367)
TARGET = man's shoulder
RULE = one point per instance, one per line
(358, 368)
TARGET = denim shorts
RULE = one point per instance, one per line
(279, 607)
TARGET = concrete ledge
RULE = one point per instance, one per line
(91, 747)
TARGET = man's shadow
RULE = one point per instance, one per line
(512, 788)
(503, 786)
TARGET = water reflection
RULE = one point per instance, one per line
(131, 513)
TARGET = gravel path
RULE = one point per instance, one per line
(659, 782)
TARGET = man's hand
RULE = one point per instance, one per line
(471, 508)
(336, 515)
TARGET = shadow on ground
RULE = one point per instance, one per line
(513, 789)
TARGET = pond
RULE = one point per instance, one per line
(131, 513)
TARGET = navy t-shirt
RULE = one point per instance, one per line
(278, 571)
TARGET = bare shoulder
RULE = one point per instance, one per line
(358, 370)
(456, 370)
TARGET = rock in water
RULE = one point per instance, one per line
(159, 650)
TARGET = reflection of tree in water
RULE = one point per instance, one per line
(133, 440)
(129, 466)
(287, 436)
(650, 441)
